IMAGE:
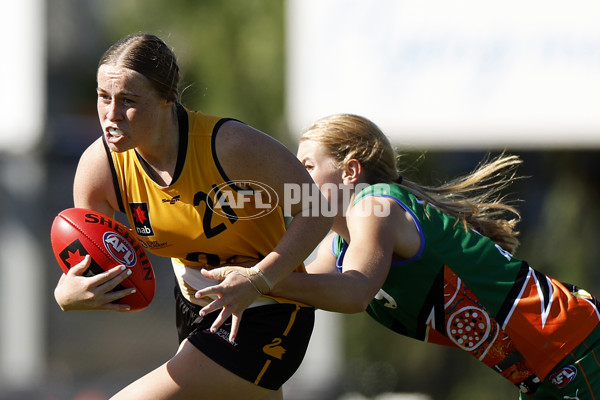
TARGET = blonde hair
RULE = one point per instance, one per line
(475, 199)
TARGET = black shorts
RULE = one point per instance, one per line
(270, 344)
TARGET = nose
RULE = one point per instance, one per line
(112, 111)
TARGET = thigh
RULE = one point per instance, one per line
(274, 395)
(192, 375)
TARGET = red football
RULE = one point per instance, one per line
(76, 232)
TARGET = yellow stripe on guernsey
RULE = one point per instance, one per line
(201, 219)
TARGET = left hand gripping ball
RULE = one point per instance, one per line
(76, 232)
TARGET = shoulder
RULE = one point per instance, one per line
(93, 186)
(387, 199)
(94, 161)
(95, 151)
(247, 153)
(378, 215)
(197, 121)
(389, 190)
(235, 137)
(376, 201)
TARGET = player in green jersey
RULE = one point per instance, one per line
(436, 264)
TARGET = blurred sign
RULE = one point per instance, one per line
(22, 107)
(22, 71)
(454, 74)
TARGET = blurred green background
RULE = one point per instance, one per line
(232, 54)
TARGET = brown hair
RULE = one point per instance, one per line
(150, 56)
(474, 199)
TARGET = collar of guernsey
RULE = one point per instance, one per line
(339, 246)
(202, 219)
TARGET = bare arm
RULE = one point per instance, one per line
(248, 154)
(93, 185)
(93, 189)
(366, 265)
(267, 161)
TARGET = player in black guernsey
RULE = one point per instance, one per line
(168, 169)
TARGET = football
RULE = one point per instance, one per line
(76, 232)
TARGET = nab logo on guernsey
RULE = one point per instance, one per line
(563, 376)
(120, 249)
(141, 219)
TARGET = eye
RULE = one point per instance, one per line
(308, 167)
(129, 102)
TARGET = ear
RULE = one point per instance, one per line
(167, 103)
(352, 172)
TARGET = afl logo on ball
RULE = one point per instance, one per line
(563, 376)
(120, 249)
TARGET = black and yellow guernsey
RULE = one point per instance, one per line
(202, 219)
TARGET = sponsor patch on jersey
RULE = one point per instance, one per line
(172, 200)
(141, 219)
(563, 376)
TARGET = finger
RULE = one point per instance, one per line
(212, 307)
(109, 298)
(115, 307)
(81, 267)
(217, 274)
(235, 324)
(206, 273)
(108, 283)
(223, 315)
(209, 291)
(120, 272)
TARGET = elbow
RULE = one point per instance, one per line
(358, 294)
(357, 304)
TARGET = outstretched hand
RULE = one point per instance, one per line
(235, 293)
(75, 291)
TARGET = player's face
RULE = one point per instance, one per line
(128, 107)
(321, 167)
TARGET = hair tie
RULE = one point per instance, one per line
(399, 180)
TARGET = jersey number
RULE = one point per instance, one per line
(209, 230)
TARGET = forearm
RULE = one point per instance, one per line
(345, 293)
(301, 238)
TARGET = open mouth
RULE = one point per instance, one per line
(115, 132)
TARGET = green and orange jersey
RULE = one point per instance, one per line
(463, 290)
(202, 219)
